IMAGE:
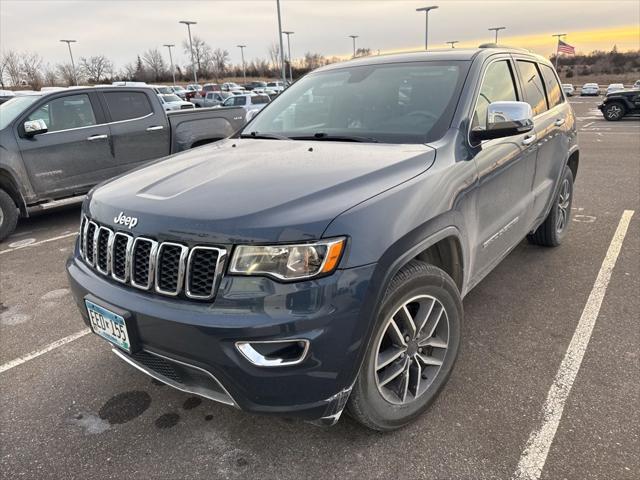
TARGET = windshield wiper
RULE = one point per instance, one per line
(267, 136)
(335, 138)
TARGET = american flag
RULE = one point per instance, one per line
(564, 47)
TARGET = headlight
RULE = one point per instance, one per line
(288, 262)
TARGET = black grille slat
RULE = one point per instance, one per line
(141, 260)
(169, 267)
(91, 230)
(202, 271)
(158, 365)
(102, 256)
(119, 257)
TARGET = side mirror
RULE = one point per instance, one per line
(505, 119)
(35, 127)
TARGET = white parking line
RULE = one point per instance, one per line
(535, 453)
(53, 239)
(590, 123)
(48, 348)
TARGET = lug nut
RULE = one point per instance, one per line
(420, 350)
(407, 338)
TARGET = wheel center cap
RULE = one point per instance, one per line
(412, 347)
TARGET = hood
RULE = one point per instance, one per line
(255, 190)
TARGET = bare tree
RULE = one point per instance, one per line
(31, 65)
(66, 74)
(96, 68)
(153, 59)
(313, 60)
(12, 67)
(201, 53)
(221, 60)
(128, 71)
(49, 75)
(274, 55)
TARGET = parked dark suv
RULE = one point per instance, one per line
(618, 104)
(318, 259)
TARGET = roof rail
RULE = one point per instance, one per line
(496, 45)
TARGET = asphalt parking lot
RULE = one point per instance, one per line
(71, 409)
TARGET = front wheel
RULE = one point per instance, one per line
(8, 215)
(555, 226)
(613, 111)
(413, 350)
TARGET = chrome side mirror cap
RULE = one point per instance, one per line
(505, 119)
(35, 127)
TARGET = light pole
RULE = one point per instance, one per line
(353, 37)
(282, 72)
(426, 11)
(288, 34)
(73, 65)
(244, 71)
(193, 63)
(558, 36)
(173, 70)
(452, 43)
(497, 29)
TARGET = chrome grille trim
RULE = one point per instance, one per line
(181, 266)
(91, 233)
(127, 260)
(220, 261)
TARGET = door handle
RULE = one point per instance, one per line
(154, 128)
(93, 138)
(559, 122)
(529, 139)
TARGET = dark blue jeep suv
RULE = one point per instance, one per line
(317, 259)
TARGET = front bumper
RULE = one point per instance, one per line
(328, 312)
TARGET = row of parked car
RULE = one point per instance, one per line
(593, 89)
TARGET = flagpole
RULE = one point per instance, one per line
(558, 36)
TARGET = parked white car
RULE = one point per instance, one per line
(614, 87)
(252, 103)
(590, 89)
(162, 89)
(231, 87)
(277, 87)
(569, 90)
(637, 84)
(172, 102)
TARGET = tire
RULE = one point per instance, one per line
(8, 215)
(613, 111)
(381, 407)
(555, 226)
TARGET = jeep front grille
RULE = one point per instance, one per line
(167, 268)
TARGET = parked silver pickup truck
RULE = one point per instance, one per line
(56, 145)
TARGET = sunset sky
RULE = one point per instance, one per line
(121, 29)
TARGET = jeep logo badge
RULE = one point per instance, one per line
(128, 222)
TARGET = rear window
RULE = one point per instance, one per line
(259, 99)
(533, 89)
(554, 95)
(127, 105)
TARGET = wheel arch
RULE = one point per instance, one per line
(8, 185)
(573, 161)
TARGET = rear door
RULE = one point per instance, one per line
(139, 126)
(75, 153)
(505, 172)
(552, 119)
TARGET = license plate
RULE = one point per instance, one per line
(108, 325)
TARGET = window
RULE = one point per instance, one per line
(551, 83)
(127, 105)
(389, 103)
(497, 86)
(236, 101)
(259, 99)
(65, 113)
(533, 89)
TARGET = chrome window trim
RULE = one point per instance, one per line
(99, 124)
(109, 245)
(217, 276)
(181, 267)
(127, 260)
(152, 263)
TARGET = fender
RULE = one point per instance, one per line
(8, 183)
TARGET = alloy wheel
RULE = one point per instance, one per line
(412, 349)
(564, 201)
(614, 112)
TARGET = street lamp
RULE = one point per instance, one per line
(559, 37)
(244, 71)
(173, 70)
(288, 34)
(426, 11)
(73, 65)
(282, 72)
(452, 43)
(353, 37)
(193, 63)
(497, 29)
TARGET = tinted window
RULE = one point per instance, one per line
(497, 86)
(258, 99)
(127, 105)
(240, 101)
(66, 112)
(553, 87)
(390, 103)
(533, 89)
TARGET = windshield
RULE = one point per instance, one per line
(390, 103)
(178, 89)
(164, 90)
(171, 98)
(10, 109)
